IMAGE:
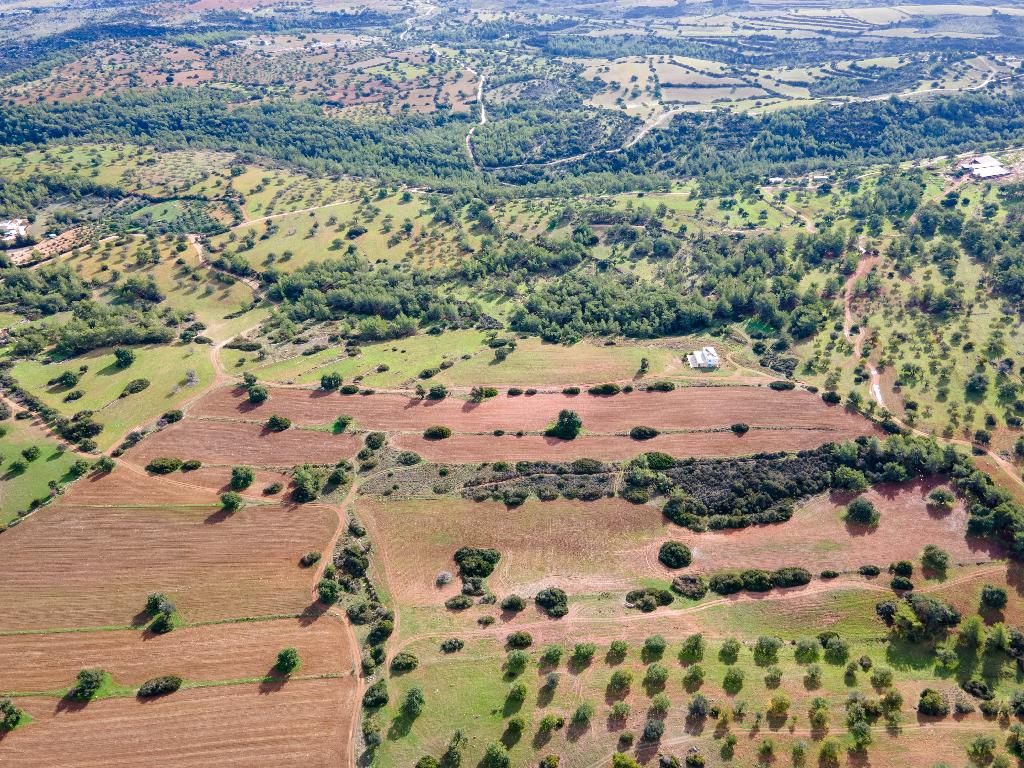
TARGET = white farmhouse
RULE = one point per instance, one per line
(986, 167)
(703, 358)
(13, 229)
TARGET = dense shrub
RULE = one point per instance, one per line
(458, 602)
(159, 686)
(674, 554)
(519, 640)
(643, 433)
(553, 601)
(862, 511)
(437, 433)
(604, 389)
(691, 587)
(287, 661)
(242, 477)
(476, 561)
(278, 423)
(404, 661)
(513, 604)
(567, 426)
(932, 703)
(87, 684)
(163, 465)
(376, 695)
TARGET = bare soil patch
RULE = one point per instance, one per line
(225, 442)
(301, 723)
(683, 408)
(213, 652)
(474, 448)
(93, 566)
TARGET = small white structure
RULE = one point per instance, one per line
(986, 167)
(703, 358)
(13, 229)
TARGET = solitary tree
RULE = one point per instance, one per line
(287, 661)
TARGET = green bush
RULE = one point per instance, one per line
(376, 696)
(553, 601)
(163, 465)
(567, 426)
(862, 511)
(674, 554)
(437, 433)
(87, 684)
(643, 433)
(134, 386)
(278, 423)
(159, 686)
(287, 661)
(230, 501)
(242, 477)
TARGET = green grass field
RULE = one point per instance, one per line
(176, 374)
(17, 490)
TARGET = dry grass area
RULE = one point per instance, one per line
(227, 442)
(683, 408)
(474, 448)
(589, 547)
(570, 544)
(43, 662)
(300, 723)
(79, 566)
(818, 537)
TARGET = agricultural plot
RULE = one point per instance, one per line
(297, 725)
(684, 409)
(214, 565)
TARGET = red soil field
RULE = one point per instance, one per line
(223, 442)
(132, 485)
(70, 566)
(301, 723)
(214, 652)
(474, 448)
(684, 408)
(218, 479)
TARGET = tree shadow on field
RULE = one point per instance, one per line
(274, 681)
(400, 726)
(312, 613)
(69, 704)
(217, 517)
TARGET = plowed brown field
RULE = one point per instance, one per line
(684, 408)
(302, 723)
(474, 448)
(42, 662)
(131, 486)
(93, 566)
(226, 442)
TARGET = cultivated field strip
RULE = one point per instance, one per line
(227, 442)
(230, 651)
(93, 566)
(682, 409)
(303, 723)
